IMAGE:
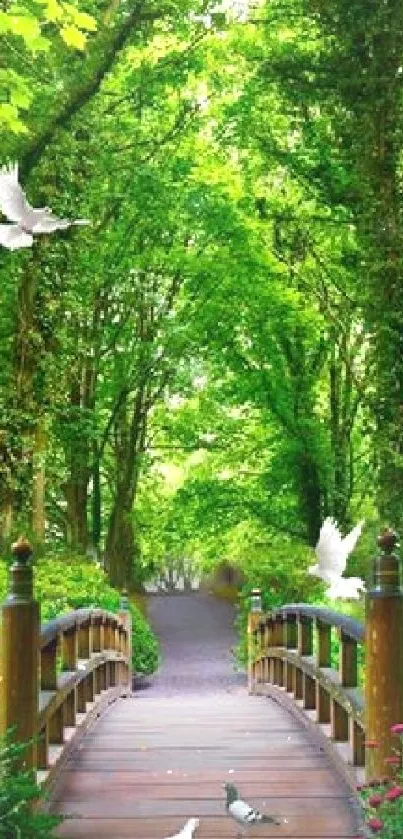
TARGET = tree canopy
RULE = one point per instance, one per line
(215, 363)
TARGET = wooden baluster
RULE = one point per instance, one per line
(70, 649)
(305, 635)
(323, 659)
(96, 634)
(90, 687)
(84, 640)
(297, 683)
(272, 660)
(81, 703)
(323, 648)
(384, 656)
(48, 666)
(279, 642)
(291, 635)
(305, 647)
(291, 641)
(254, 617)
(56, 728)
(20, 653)
(266, 642)
(43, 749)
(357, 740)
(70, 709)
(339, 722)
(348, 661)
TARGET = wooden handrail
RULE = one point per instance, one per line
(292, 648)
(290, 651)
(53, 676)
(82, 655)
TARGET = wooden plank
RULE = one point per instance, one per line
(311, 827)
(131, 808)
(179, 786)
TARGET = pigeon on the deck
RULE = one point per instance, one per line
(28, 221)
(187, 830)
(245, 815)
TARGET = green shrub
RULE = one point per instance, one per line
(18, 791)
(146, 650)
(63, 584)
(279, 569)
(72, 583)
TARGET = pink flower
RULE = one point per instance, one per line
(393, 793)
(375, 800)
(375, 824)
(392, 761)
(397, 728)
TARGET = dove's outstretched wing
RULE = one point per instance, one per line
(329, 549)
(12, 236)
(13, 203)
(329, 552)
(350, 541)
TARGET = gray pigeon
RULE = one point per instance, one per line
(245, 815)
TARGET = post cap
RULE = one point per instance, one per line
(388, 540)
(256, 600)
(124, 600)
(22, 549)
(386, 566)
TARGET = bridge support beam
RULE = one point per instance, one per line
(384, 658)
(19, 637)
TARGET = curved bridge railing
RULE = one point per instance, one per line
(83, 655)
(292, 650)
(55, 678)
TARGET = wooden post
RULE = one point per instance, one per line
(254, 618)
(384, 656)
(126, 618)
(19, 658)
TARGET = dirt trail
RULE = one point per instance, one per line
(196, 633)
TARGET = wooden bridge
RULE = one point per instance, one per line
(137, 764)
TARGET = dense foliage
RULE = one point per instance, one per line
(18, 792)
(67, 582)
(214, 362)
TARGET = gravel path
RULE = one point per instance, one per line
(196, 633)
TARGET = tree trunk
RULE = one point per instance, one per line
(39, 482)
(120, 546)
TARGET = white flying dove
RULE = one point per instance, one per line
(332, 551)
(27, 220)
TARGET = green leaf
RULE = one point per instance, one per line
(73, 37)
(20, 98)
(84, 21)
(39, 44)
(26, 26)
(53, 10)
(10, 120)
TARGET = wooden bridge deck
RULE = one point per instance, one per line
(153, 760)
